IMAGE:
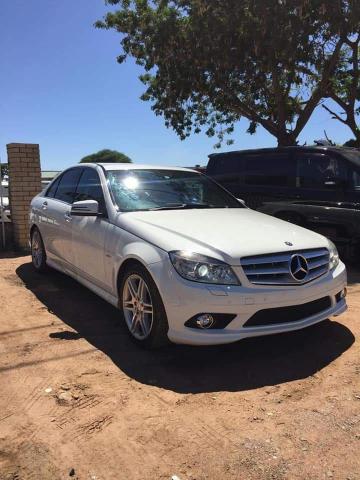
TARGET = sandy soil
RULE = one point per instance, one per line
(79, 400)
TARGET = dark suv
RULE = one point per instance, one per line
(316, 187)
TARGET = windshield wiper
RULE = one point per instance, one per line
(175, 206)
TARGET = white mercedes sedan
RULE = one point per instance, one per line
(180, 257)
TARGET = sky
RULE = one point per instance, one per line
(61, 87)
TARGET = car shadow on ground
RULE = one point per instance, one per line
(245, 365)
(353, 273)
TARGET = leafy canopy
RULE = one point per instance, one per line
(207, 64)
(106, 156)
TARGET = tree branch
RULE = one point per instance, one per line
(335, 115)
(319, 91)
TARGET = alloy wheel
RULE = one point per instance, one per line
(37, 252)
(137, 306)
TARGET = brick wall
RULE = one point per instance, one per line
(24, 184)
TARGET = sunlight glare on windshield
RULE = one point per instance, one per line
(130, 182)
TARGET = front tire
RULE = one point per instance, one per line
(142, 308)
(38, 252)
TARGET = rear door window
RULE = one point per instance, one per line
(53, 187)
(224, 165)
(67, 186)
(275, 169)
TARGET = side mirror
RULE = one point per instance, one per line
(85, 208)
(241, 201)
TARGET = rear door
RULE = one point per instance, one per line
(56, 223)
(268, 176)
(88, 233)
(228, 171)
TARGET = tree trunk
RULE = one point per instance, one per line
(286, 140)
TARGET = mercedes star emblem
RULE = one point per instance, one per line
(299, 268)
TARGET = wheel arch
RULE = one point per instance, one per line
(32, 228)
(128, 262)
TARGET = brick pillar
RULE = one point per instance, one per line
(24, 184)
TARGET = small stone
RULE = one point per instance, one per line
(48, 390)
(72, 472)
(64, 398)
(65, 386)
(329, 474)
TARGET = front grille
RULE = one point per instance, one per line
(295, 313)
(274, 269)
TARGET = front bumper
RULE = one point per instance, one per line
(184, 299)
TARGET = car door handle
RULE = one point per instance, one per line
(67, 217)
(44, 206)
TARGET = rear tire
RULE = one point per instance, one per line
(142, 308)
(38, 252)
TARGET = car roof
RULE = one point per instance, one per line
(135, 166)
(290, 148)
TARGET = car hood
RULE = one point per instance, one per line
(226, 234)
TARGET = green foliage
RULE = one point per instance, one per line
(207, 64)
(106, 156)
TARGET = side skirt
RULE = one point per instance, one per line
(94, 288)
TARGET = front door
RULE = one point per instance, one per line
(89, 233)
(321, 177)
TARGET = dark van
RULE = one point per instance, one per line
(316, 187)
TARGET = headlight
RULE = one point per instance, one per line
(334, 256)
(199, 268)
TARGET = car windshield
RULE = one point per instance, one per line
(135, 190)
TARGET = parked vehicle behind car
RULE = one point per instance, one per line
(181, 258)
(316, 187)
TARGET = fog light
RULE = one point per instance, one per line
(205, 320)
(341, 295)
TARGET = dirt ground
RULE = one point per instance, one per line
(79, 400)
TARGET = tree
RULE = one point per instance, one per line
(344, 88)
(106, 156)
(207, 64)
